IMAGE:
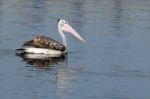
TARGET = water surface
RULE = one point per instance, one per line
(113, 64)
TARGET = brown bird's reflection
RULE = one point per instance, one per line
(64, 75)
(41, 60)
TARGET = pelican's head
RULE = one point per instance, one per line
(63, 26)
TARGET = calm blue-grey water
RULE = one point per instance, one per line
(114, 63)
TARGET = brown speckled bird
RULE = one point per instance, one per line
(46, 45)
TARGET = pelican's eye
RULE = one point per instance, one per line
(65, 22)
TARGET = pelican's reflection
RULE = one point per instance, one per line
(65, 78)
(65, 75)
(41, 60)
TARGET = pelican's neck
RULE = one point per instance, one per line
(64, 39)
(62, 36)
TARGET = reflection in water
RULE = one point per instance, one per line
(65, 79)
(64, 75)
(42, 61)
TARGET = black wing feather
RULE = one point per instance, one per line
(45, 42)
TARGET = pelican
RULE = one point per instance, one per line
(46, 45)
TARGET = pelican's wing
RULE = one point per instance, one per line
(45, 42)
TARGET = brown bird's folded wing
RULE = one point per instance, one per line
(45, 42)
